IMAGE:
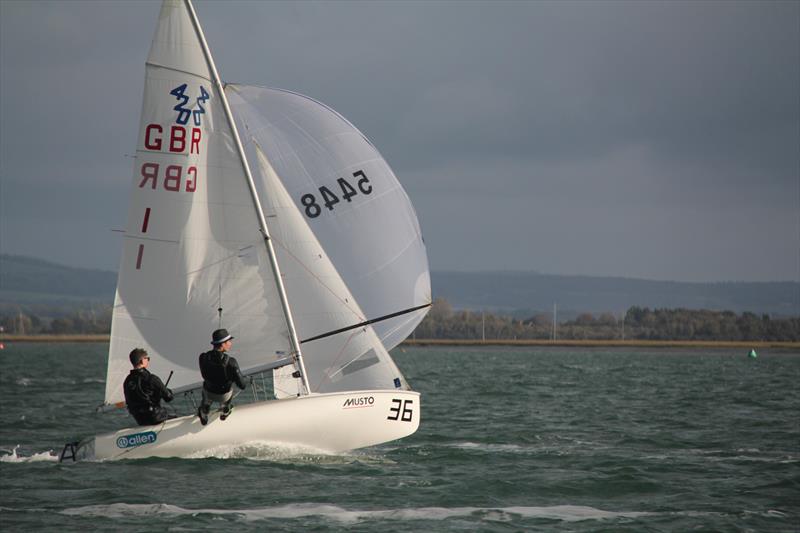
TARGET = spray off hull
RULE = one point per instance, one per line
(331, 423)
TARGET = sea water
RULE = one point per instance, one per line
(512, 439)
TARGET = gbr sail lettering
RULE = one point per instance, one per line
(179, 138)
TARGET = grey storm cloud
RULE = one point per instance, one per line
(646, 139)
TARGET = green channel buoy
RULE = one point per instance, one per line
(752, 354)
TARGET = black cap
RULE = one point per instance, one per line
(219, 336)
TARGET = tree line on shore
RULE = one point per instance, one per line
(443, 322)
(639, 323)
(92, 321)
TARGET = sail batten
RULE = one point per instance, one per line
(177, 70)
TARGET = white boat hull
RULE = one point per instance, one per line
(331, 423)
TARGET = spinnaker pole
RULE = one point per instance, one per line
(293, 339)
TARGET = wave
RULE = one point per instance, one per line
(754, 455)
(255, 451)
(48, 381)
(494, 448)
(559, 446)
(12, 457)
(282, 452)
(566, 513)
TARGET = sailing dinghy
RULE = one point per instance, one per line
(265, 212)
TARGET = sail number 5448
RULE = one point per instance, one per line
(401, 410)
(330, 199)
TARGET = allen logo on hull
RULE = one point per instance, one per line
(137, 439)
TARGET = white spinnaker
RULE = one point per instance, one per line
(192, 241)
(373, 239)
(320, 302)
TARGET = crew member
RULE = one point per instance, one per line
(144, 391)
(220, 371)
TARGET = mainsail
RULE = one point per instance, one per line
(192, 244)
(194, 257)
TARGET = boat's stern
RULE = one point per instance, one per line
(367, 418)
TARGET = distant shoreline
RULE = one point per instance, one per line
(470, 342)
(604, 343)
(55, 338)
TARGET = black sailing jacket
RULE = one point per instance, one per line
(144, 392)
(220, 371)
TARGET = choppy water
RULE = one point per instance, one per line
(533, 439)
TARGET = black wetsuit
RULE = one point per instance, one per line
(143, 394)
(220, 371)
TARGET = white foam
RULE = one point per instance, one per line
(257, 450)
(567, 513)
(743, 454)
(13, 457)
(280, 452)
(573, 513)
(562, 448)
(513, 448)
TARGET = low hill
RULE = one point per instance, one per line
(30, 285)
(34, 285)
(525, 293)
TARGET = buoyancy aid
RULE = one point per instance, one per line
(139, 395)
(214, 369)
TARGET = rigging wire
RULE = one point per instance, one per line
(219, 303)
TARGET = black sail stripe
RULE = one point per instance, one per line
(366, 323)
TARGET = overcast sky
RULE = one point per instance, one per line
(656, 140)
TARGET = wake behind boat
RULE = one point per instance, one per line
(296, 237)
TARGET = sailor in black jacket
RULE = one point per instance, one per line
(144, 391)
(220, 371)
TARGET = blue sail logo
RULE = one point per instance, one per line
(137, 439)
(184, 112)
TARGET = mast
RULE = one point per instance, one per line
(293, 339)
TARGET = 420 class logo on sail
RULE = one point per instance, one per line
(184, 112)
